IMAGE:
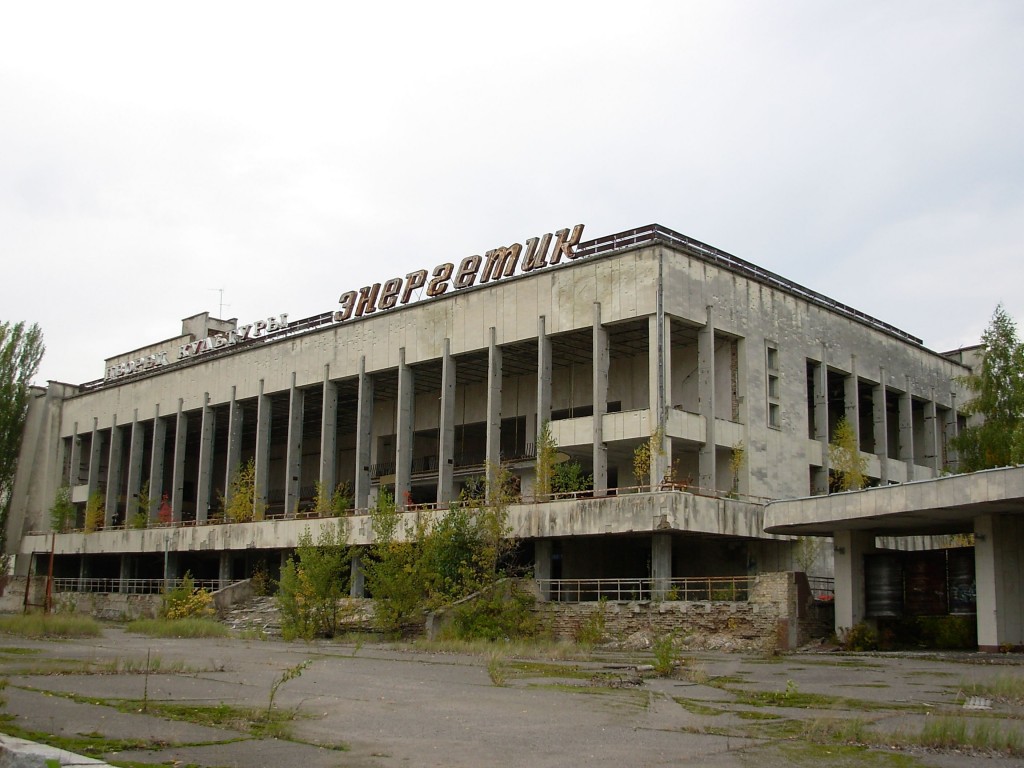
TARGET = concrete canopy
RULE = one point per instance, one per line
(944, 505)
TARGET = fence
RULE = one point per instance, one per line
(691, 589)
(129, 586)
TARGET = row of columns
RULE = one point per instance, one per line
(906, 451)
(660, 386)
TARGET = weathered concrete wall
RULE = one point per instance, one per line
(771, 620)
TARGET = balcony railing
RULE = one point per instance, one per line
(129, 586)
(691, 589)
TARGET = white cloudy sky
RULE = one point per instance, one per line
(153, 153)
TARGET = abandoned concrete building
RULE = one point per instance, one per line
(425, 383)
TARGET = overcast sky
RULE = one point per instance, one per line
(151, 154)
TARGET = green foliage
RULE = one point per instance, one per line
(313, 582)
(859, 637)
(62, 513)
(998, 398)
(644, 456)
(736, 462)
(260, 580)
(50, 625)
(186, 601)
(289, 674)
(143, 505)
(497, 614)
(95, 513)
(845, 458)
(240, 505)
(436, 560)
(332, 504)
(21, 349)
(568, 477)
(188, 628)
(547, 449)
(665, 655)
(591, 629)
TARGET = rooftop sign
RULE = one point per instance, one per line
(495, 265)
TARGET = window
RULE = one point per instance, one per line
(773, 385)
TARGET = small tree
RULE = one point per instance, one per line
(845, 458)
(998, 440)
(736, 462)
(242, 506)
(140, 519)
(62, 513)
(547, 450)
(644, 456)
(21, 349)
(332, 504)
(95, 513)
(313, 581)
(569, 477)
(165, 514)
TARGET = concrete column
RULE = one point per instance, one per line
(113, 473)
(707, 469)
(125, 573)
(157, 458)
(999, 577)
(446, 428)
(293, 459)
(849, 550)
(329, 435)
(600, 399)
(543, 374)
(851, 400)
(357, 581)
(494, 366)
(224, 568)
(204, 481)
(931, 434)
(75, 459)
(234, 456)
(178, 472)
(95, 443)
(542, 566)
(906, 445)
(821, 416)
(135, 447)
(364, 436)
(661, 565)
(261, 486)
(404, 433)
(880, 415)
(952, 430)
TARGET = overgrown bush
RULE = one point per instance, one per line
(186, 601)
(664, 655)
(95, 514)
(859, 637)
(504, 612)
(62, 513)
(313, 581)
(240, 506)
(591, 629)
(260, 580)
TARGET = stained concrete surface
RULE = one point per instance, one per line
(384, 706)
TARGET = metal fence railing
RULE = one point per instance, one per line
(690, 589)
(129, 586)
(822, 587)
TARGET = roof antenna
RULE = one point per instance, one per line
(220, 311)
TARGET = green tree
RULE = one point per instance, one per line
(21, 349)
(143, 504)
(547, 450)
(847, 463)
(242, 506)
(569, 477)
(313, 582)
(62, 513)
(95, 512)
(997, 440)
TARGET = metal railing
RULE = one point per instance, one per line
(692, 589)
(822, 587)
(129, 586)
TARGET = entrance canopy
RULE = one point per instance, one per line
(944, 505)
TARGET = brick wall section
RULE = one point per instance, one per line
(773, 618)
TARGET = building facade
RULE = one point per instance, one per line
(427, 382)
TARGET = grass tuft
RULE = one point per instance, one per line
(37, 625)
(186, 628)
